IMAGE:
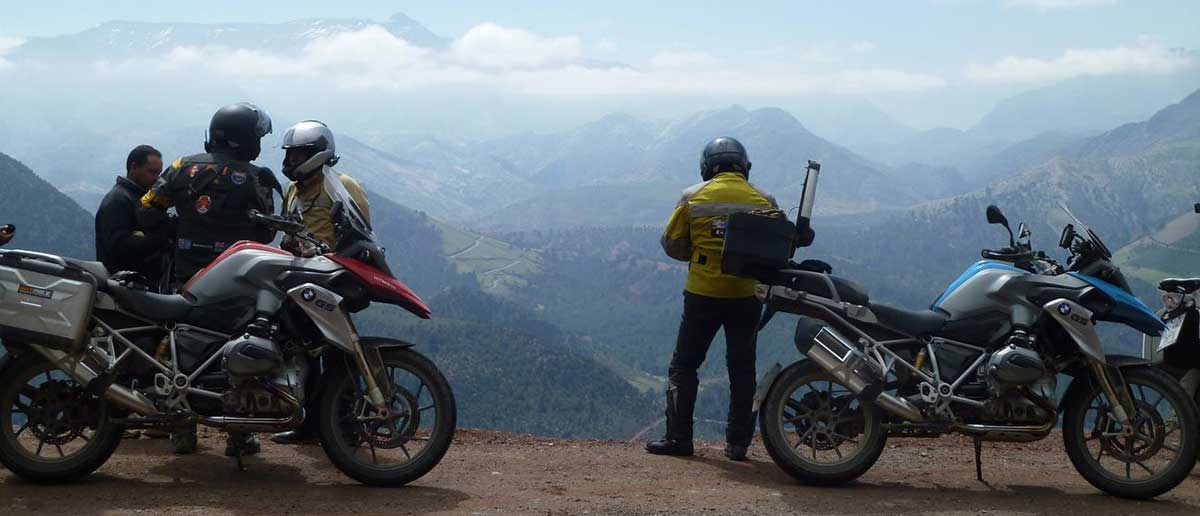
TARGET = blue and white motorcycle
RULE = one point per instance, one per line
(982, 361)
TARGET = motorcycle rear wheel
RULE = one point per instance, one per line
(422, 413)
(808, 405)
(51, 432)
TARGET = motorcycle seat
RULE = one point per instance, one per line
(818, 284)
(914, 323)
(96, 269)
(1180, 285)
(155, 307)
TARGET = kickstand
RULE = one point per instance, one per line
(979, 461)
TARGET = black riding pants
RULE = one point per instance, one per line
(703, 316)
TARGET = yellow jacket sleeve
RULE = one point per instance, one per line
(677, 237)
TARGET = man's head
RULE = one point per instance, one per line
(143, 165)
(237, 129)
(308, 146)
(724, 155)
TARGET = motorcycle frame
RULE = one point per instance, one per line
(879, 355)
(113, 349)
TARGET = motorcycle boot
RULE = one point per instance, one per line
(678, 440)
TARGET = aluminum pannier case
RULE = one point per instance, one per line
(44, 299)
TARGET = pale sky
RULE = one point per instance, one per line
(896, 52)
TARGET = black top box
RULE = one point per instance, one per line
(757, 242)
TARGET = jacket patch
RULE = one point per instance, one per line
(203, 204)
(193, 170)
(718, 227)
(238, 177)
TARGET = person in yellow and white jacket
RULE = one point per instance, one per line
(713, 300)
(310, 153)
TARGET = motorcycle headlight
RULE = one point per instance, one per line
(1172, 301)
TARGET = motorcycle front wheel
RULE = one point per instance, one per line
(405, 444)
(1153, 457)
(818, 431)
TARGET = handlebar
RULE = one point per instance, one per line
(289, 227)
(1008, 255)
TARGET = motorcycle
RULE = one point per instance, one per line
(1178, 350)
(91, 354)
(982, 361)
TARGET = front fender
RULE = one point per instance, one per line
(1125, 361)
(382, 343)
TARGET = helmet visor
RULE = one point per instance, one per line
(263, 126)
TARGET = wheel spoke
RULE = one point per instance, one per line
(405, 450)
(427, 407)
(22, 430)
(60, 452)
(845, 438)
(1145, 467)
(39, 448)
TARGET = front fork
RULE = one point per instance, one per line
(1121, 405)
(370, 366)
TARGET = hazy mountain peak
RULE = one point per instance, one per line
(119, 39)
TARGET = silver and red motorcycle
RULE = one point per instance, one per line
(90, 354)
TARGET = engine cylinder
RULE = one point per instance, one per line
(1015, 365)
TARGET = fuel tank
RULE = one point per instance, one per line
(246, 272)
(990, 297)
(977, 289)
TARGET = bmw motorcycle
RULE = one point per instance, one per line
(1178, 350)
(982, 361)
(90, 354)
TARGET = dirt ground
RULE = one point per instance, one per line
(493, 473)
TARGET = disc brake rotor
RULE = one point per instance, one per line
(822, 427)
(1148, 440)
(400, 425)
(59, 412)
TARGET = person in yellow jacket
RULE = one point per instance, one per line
(310, 153)
(713, 300)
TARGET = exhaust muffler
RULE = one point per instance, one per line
(835, 354)
(127, 399)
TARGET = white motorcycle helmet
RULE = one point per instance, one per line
(308, 147)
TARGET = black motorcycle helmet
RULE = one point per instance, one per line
(724, 154)
(238, 129)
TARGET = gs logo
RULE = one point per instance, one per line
(310, 295)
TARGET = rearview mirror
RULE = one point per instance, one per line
(995, 216)
(1068, 236)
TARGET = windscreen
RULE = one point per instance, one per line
(351, 212)
(1091, 235)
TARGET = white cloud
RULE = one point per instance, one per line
(498, 58)
(1052, 5)
(492, 46)
(675, 59)
(1144, 57)
(7, 43)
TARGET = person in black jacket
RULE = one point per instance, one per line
(121, 243)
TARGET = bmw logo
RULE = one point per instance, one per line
(1064, 308)
(308, 294)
